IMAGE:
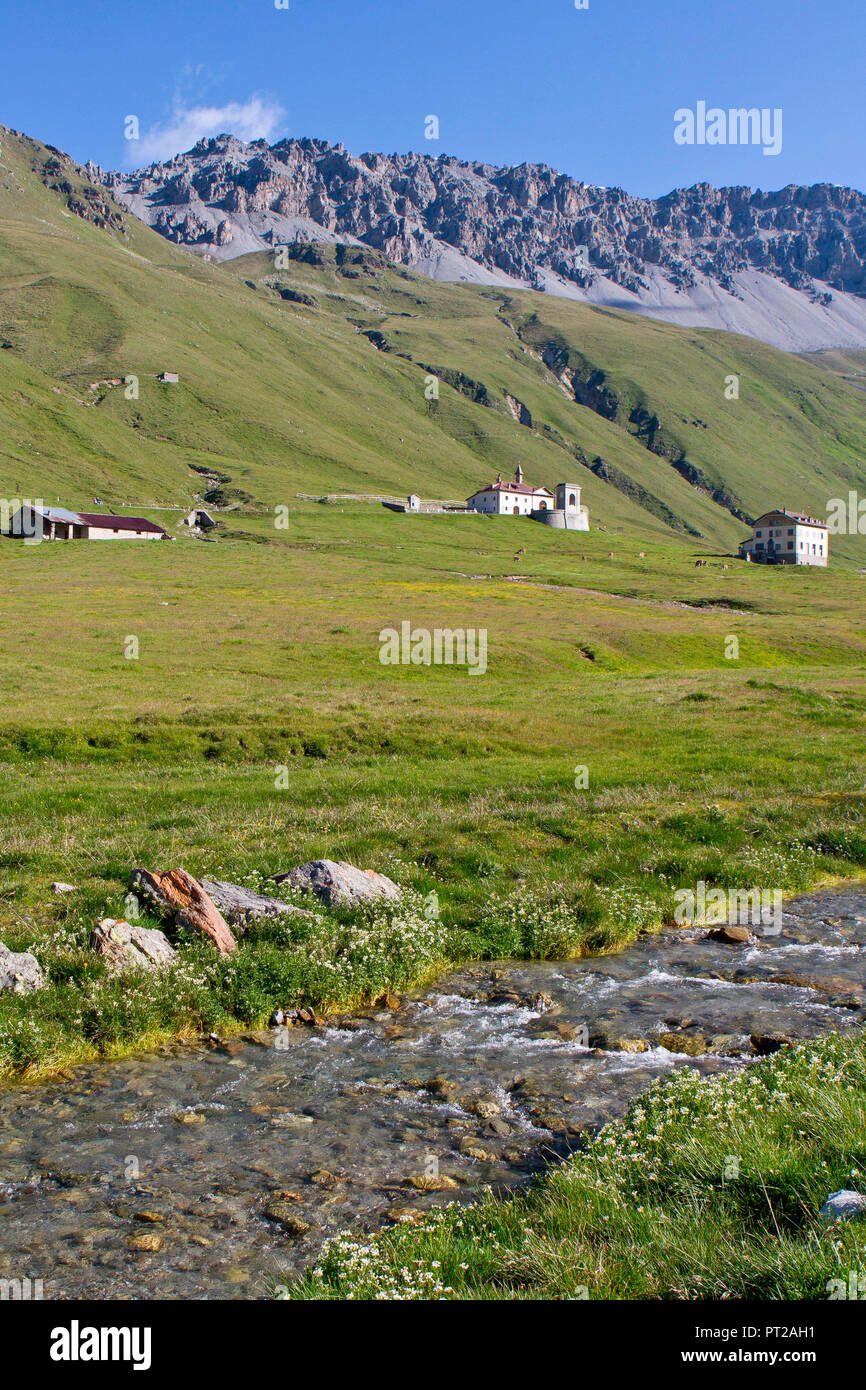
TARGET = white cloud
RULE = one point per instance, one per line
(259, 118)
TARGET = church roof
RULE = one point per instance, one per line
(514, 487)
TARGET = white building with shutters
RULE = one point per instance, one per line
(787, 538)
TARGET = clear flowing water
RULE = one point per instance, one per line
(482, 1079)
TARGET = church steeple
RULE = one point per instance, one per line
(519, 474)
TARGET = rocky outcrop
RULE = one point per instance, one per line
(125, 946)
(20, 973)
(339, 884)
(84, 190)
(530, 225)
(178, 895)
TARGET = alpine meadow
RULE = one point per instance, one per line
(434, 868)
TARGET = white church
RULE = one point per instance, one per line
(562, 510)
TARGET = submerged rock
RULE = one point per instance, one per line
(402, 1214)
(339, 884)
(125, 947)
(442, 1088)
(323, 1177)
(473, 1148)
(688, 1045)
(486, 1108)
(20, 973)
(283, 1214)
(146, 1242)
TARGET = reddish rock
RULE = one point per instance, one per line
(177, 893)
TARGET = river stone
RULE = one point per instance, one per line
(291, 1121)
(284, 1216)
(554, 1029)
(823, 984)
(425, 1182)
(763, 1044)
(323, 1177)
(628, 1045)
(387, 1000)
(148, 1242)
(473, 1148)
(684, 1044)
(842, 1206)
(20, 973)
(497, 1128)
(485, 1108)
(545, 1118)
(402, 1214)
(177, 893)
(126, 947)
(241, 906)
(339, 884)
(442, 1088)
(735, 936)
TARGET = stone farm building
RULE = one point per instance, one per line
(787, 538)
(56, 523)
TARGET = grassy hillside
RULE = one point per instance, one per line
(282, 395)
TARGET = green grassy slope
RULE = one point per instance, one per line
(284, 396)
(608, 650)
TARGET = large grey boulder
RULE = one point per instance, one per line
(241, 906)
(339, 884)
(126, 946)
(20, 973)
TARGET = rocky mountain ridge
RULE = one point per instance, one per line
(786, 266)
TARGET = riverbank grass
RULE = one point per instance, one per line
(707, 1189)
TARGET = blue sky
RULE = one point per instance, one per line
(591, 92)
